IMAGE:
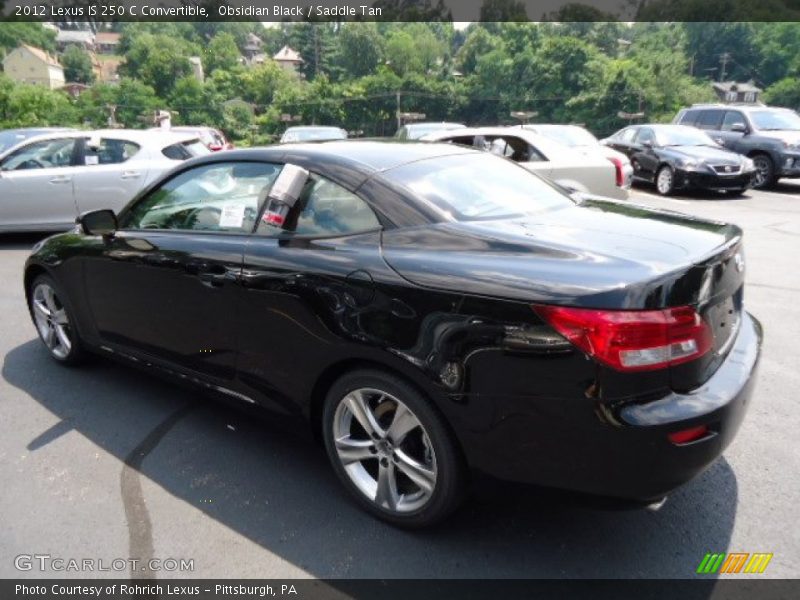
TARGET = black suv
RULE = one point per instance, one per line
(770, 136)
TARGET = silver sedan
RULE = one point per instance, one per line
(49, 179)
(572, 169)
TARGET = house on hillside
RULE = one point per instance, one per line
(288, 59)
(107, 42)
(28, 64)
(731, 91)
(81, 38)
(253, 50)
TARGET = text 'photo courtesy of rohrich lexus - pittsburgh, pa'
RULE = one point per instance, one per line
(432, 311)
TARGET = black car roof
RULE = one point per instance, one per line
(361, 158)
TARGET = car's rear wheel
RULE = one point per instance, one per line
(54, 321)
(765, 171)
(391, 449)
(665, 180)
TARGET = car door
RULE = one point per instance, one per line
(36, 185)
(305, 288)
(165, 286)
(622, 141)
(733, 129)
(108, 174)
(643, 153)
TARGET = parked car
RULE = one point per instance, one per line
(768, 135)
(582, 140)
(679, 157)
(577, 172)
(414, 131)
(12, 137)
(312, 133)
(426, 309)
(214, 139)
(47, 180)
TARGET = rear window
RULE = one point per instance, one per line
(689, 117)
(185, 150)
(709, 119)
(478, 187)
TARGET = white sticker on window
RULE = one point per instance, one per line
(232, 216)
(92, 160)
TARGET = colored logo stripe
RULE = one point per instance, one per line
(734, 563)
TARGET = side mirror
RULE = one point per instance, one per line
(739, 128)
(98, 222)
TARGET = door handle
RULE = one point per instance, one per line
(131, 174)
(61, 179)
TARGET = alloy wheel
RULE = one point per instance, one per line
(763, 171)
(385, 450)
(664, 181)
(51, 321)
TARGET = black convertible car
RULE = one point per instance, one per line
(429, 309)
(678, 157)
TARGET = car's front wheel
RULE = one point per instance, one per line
(765, 171)
(54, 321)
(665, 180)
(392, 450)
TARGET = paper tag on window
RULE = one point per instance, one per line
(232, 216)
(92, 160)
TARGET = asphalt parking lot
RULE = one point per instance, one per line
(104, 462)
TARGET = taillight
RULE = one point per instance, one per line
(633, 340)
(618, 168)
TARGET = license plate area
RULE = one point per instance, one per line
(724, 318)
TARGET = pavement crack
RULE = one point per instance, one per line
(140, 528)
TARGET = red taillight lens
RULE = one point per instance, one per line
(688, 435)
(618, 168)
(633, 340)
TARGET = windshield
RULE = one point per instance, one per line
(417, 131)
(775, 120)
(682, 136)
(474, 187)
(569, 136)
(314, 134)
(10, 138)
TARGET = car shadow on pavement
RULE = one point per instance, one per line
(698, 194)
(272, 486)
(20, 241)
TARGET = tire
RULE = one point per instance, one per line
(765, 172)
(54, 321)
(665, 180)
(377, 469)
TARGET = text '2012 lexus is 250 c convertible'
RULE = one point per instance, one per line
(430, 310)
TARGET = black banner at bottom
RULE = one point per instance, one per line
(398, 589)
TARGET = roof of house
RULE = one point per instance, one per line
(79, 37)
(733, 86)
(41, 55)
(253, 42)
(108, 37)
(288, 55)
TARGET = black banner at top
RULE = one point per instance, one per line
(399, 10)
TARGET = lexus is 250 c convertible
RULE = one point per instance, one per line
(430, 310)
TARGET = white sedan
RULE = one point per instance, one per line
(577, 171)
(46, 181)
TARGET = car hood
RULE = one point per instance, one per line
(600, 253)
(789, 136)
(707, 153)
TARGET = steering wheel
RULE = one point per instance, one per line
(31, 163)
(205, 218)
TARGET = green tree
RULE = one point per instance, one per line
(29, 105)
(158, 61)
(360, 49)
(785, 92)
(77, 65)
(221, 53)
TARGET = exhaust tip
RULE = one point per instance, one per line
(656, 505)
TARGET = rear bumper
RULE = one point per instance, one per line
(710, 181)
(625, 452)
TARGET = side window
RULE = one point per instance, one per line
(213, 197)
(41, 155)
(627, 135)
(646, 135)
(689, 117)
(326, 209)
(109, 152)
(733, 117)
(709, 119)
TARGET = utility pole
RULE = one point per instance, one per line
(724, 58)
(399, 123)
